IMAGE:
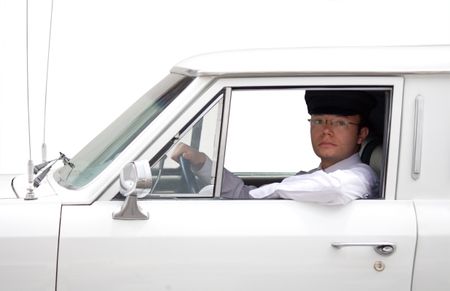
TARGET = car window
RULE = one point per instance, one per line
(203, 135)
(267, 139)
(268, 135)
(104, 148)
(268, 132)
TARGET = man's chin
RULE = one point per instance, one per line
(326, 154)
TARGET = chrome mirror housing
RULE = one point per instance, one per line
(135, 182)
(136, 177)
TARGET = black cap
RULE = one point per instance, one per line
(339, 102)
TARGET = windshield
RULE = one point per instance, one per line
(102, 150)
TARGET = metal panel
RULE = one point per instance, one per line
(323, 61)
(435, 154)
(29, 244)
(237, 245)
(433, 246)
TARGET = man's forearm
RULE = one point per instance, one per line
(232, 186)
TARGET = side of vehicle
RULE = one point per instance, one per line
(246, 119)
(229, 244)
(423, 174)
(29, 237)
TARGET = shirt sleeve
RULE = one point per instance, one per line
(204, 173)
(336, 188)
(232, 186)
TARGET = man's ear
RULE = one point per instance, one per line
(363, 133)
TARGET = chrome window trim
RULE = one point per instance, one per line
(223, 141)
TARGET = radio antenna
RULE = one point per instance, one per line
(30, 189)
(44, 145)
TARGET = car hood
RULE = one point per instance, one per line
(6, 189)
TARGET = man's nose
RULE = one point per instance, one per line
(327, 129)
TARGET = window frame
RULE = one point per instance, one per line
(200, 96)
(392, 119)
(217, 100)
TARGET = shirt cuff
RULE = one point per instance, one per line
(204, 173)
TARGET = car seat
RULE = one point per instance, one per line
(371, 153)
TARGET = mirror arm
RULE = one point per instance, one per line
(130, 210)
(135, 182)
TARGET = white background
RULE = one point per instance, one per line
(107, 53)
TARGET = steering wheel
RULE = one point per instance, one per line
(188, 176)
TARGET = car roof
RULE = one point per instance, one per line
(320, 60)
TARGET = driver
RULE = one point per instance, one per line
(338, 128)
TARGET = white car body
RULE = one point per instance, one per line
(67, 239)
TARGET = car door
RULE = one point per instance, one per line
(198, 241)
(237, 245)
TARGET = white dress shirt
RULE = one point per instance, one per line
(338, 184)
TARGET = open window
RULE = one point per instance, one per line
(269, 134)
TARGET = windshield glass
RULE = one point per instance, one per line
(102, 150)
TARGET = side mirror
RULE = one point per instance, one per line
(135, 182)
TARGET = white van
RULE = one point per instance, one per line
(246, 111)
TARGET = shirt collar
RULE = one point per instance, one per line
(344, 164)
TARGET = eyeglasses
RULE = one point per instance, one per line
(335, 123)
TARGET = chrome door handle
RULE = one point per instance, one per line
(418, 136)
(382, 248)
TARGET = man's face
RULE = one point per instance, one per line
(335, 138)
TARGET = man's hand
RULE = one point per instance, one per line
(196, 158)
